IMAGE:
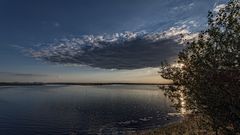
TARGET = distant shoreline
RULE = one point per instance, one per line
(68, 83)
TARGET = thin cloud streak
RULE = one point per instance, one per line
(22, 74)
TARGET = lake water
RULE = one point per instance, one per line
(70, 110)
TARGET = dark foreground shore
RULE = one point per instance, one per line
(187, 126)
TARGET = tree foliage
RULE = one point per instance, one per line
(207, 73)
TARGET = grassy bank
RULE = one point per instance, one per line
(188, 126)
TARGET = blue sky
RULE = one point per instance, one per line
(93, 40)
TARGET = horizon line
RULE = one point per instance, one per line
(80, 83)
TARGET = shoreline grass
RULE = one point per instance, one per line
(190, 125)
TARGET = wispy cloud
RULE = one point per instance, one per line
(219, 7)
(184, 7)
(21, 74)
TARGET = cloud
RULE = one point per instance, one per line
(128, 50)
(21, 74)
(56, 24)
(219, 7)
(184, 7)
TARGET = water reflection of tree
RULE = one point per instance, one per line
(207, 72)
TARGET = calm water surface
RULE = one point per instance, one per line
(70, 110)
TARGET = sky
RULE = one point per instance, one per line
(95, 40)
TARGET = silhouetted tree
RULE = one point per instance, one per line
(207, 72)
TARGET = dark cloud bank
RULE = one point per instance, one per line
(118, 51)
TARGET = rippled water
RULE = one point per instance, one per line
(70, 110)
